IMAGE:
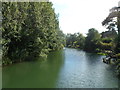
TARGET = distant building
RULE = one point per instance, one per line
(110, 34)
(119, 4)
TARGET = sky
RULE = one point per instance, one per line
(81, 15)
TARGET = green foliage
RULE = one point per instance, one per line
(111, 25)
(118, 66)
(29, 30)
(106, 44)
(117, 49)
(91, 41)
(118, 55)
(107, 40)
(75, 40)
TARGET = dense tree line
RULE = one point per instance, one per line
(93, 42)
(75, 40)
(29, 30)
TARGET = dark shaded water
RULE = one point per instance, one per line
(69, 68)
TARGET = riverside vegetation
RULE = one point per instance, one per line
(31, 30)
(106, 43)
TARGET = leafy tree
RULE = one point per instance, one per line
(91, 40)
(30, 30)
(116, 24)
(75, 40)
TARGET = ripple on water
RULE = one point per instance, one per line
(69, 69)
(85, 70)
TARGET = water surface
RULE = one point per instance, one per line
(68, 68)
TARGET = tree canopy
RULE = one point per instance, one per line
(29, 30)
(75, 40)
(92, 39)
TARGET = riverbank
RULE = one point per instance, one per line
(99, 53)
(7, 62)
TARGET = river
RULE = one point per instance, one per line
(68, 68)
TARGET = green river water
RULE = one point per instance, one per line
(68, 68)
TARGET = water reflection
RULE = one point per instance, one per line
(34, 74)
(69, 68)
(85, 70)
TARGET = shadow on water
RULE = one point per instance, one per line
(69, 68)
(102, 73)
(34, 74)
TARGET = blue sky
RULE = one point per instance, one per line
(80, 15)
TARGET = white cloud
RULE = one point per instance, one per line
(80, 15)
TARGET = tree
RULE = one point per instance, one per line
(111, 23)
(75, 40)
(30, 30)
(109, 19)
(91, 40)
